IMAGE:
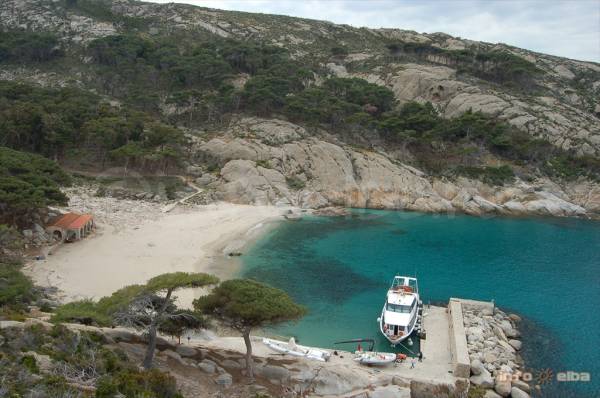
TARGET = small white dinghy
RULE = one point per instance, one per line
(374, 358)
(291, 348)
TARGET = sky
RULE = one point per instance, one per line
(568, 28)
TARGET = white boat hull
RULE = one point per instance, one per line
(394, 339)
(375, 358)
(297, 351)
(401, 310)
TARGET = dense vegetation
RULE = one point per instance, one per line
(457, 145)
(197, 76)
(28, 182)
(27, 47)
(101, 11)
(71, 123)
(498, 66)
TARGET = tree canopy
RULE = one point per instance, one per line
(25, 46)
(245, 304)
(70, 124)
(179, 280)
(28, 182)
(149, 307)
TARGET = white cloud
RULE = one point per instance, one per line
(559, 27)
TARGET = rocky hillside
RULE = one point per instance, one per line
(258, 151)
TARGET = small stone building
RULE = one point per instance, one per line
(71, 227)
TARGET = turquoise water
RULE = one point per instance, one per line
(547, 270)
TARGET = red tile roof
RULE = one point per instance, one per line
(80, 221)
(71, 221)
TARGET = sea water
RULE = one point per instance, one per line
(546, 270)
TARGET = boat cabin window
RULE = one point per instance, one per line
(404, 309)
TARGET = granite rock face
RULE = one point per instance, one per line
(264, 161)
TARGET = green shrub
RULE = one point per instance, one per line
(476, 392)
(339, 51)
(339, 102)
(30, 363)
(84, 311)
(132, 383)
(295, 182)
(15, 287)
(265, 164)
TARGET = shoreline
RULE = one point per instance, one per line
(592, 217)
(190, 239)
(242, 242)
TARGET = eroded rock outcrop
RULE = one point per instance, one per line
(276, 162)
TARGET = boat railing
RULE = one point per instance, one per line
(405, 284)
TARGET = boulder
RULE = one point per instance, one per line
(502, 386)
(499, 333)
(230, 364)
(483, 379)
(516, 344)
(390, 392)
(514, 317)
(186, 351)
(506, 327)
(491, 394)
(432, 389)
(11, 324)
(518, 393)
(507, 347)
(474, 338)
(205, 180)
(490, 357)
(249, 184)
(48, 303)
(134, 349)
(476, 367)
(224, 379)
(207, 366)
(118, 334)
(173, 355)
(335, 381)
(521, 385)
(275, 374)
(476, 331)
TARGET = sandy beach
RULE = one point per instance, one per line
(125, 251)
